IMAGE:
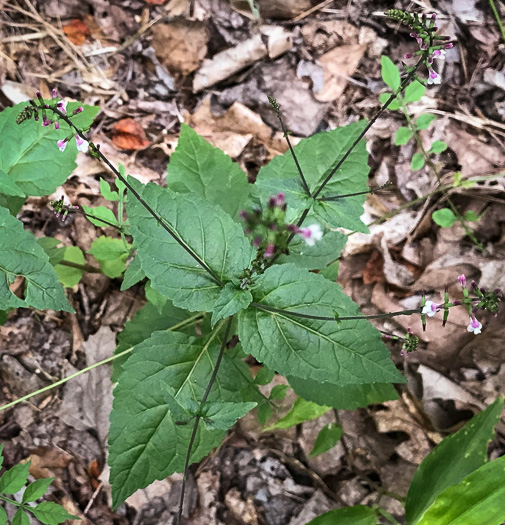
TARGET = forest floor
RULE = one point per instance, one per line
(152, 64)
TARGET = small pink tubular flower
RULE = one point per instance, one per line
(474, 326)
(462, 279)
(270, 250)
(62, 144)
(434, 77)
(311, 234)
(439, 53)
(62, 106)
(82, 145)
(430, 308)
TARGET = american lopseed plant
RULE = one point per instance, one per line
(229, 271)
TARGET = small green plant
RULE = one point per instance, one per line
(13, 484)
(230, 270)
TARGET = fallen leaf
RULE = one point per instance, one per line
(156, 2)
(129, 135)
(77, 31)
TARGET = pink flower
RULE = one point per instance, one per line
(56, 125)
(82, 145)
(62, 106)
(439, 53)
(62, 144)
(434, 77)
(270, 250)
(311, 234)
(474, 326)
(462, 279)
(430, 308)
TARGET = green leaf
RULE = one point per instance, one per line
(100, 212)
(196, 166)
(331, 271)
(357, 515)
(67, 275)
(3, 316)
(264, 413)
(147, 320)
(107, 192)
(13, 204)
(14, 479)
(37, 489)
(3, 516)
(350, 352)
(327, 438)
(145, 442)
(230, 301)
(414, 92)
(471, 216)
(29, 154)
(318, 256)
(456, 456)
(49, 245)
(20, 254)
(111, 254)
(348, 397)
(390, 73)
(9, 187)
(20, 518)
(458, 176)
(403, 135)
(438, 146)
(395, 104)
(133, 274)
(264, 376)
(205, 229)
(51, 513)
(417, 161)
(223, 416)
(317, 156)
(278, 392)
(477, 499)
(444, 217)
(424, 120)
(300, 412)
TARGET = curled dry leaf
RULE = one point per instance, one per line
(129, 135)
(77, 31)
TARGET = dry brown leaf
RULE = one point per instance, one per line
(156, 2)
(77, 31)
(47, 461)
(181, 46)
(129, 135)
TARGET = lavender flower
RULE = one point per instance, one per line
(430, 308)
(311, 234)
(474, 326)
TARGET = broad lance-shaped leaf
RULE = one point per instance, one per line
(204, 228)
(29, 154)
(231, 300)
(317, 156)
(450, 461)
(346, 353)
(145, 442)
(478, 498)
(347, 397)
(21, 254)
(196, 166)
(357, 515)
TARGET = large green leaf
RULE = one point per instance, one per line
(196, 166)
(301, 411)
(449, 462)
(317, 156)
(345, 353)
(29, 154)
(348, 397)
(20, 254)
(204, 228)
(145, 442)
(478, 499)
(358, 515)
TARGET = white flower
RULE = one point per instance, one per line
(311, 234)
(474, 326)
(439, 53)
(430, 308)
(62, 144)
(82, 145)
(434, 77)
(62, 106)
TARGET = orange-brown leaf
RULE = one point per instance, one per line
(77, 31)
(129, 135)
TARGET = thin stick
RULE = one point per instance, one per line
(197, 420)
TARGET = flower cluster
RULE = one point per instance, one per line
(423, 30)
(62, 209)
(39, 107)
(269, 232)
(484, 300)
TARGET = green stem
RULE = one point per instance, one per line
(158, 217)
(186, 322)
(197, 420)
(325, 318)
(99, 219)
(84, 267)
(498, 19)
(8, 500)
